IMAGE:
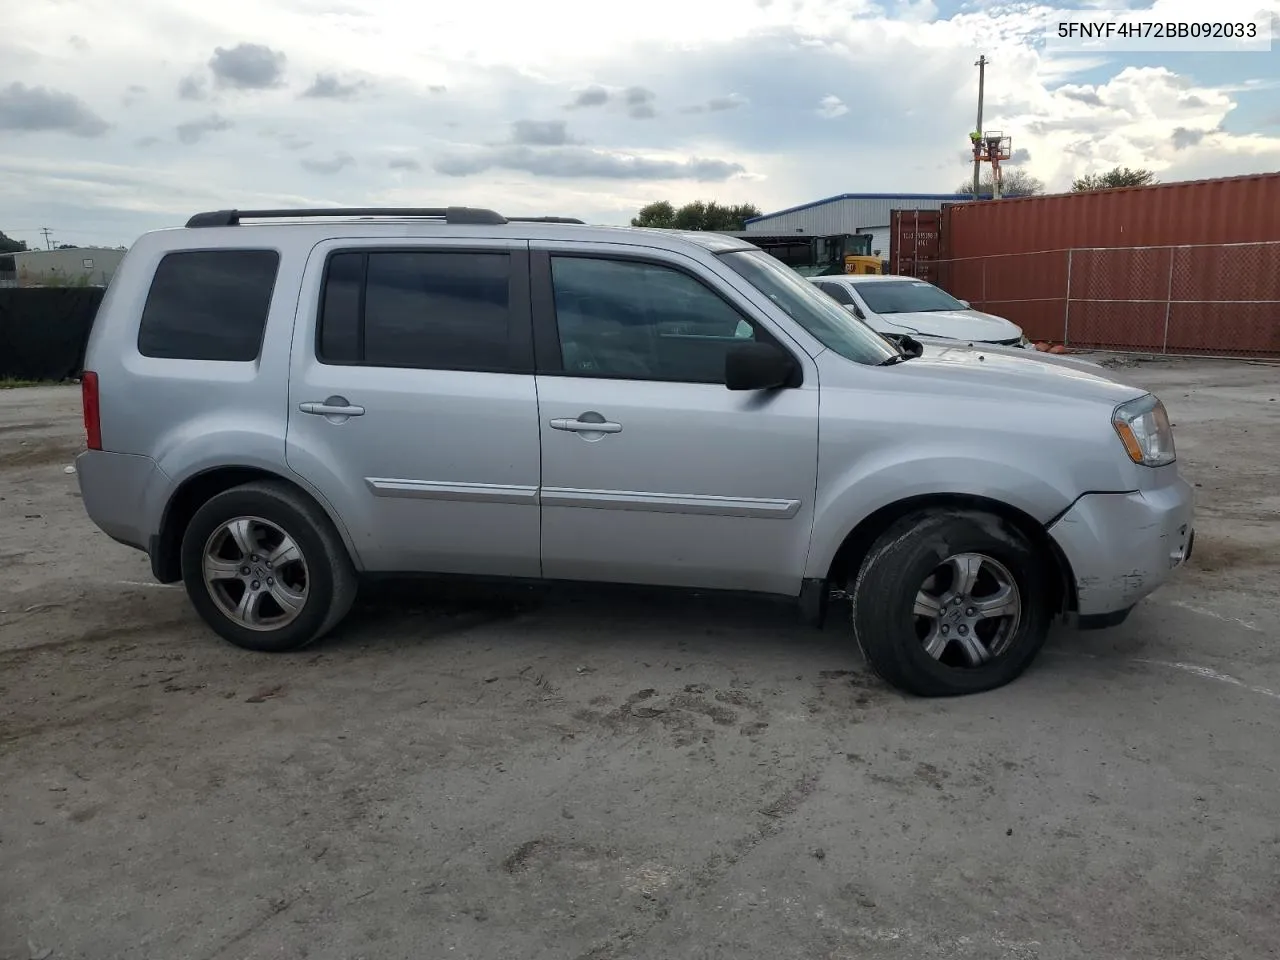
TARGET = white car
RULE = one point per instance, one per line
(897, 306)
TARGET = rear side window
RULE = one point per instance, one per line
(208, 305)
(429, 310)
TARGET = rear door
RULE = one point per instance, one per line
(412, 405)
(652, 470)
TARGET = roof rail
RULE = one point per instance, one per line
(456, 215)
(545, 220)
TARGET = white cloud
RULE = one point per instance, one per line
(569, 108)
(831, 106)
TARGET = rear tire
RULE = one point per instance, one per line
(951, 602)
(264, 567)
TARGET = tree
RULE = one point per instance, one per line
(10, 245)
(660, 214)
(698, 215)
(1014, 183)
(1118, 177)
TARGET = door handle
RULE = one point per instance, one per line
(331, 407)
(585, 426)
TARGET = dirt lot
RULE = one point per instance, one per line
(595, 776)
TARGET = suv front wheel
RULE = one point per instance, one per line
(264, 567)
(951, 602)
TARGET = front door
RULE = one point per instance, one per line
(652, 471)
(412, 406)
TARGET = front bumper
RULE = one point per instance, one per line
(1121, 546)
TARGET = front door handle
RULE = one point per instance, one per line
(585, 426)
(331, 407)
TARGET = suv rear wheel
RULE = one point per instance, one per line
(951, 602)
(264, 567)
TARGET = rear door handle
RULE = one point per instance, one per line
(585, 426)
(331, 407)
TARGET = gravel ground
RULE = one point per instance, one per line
(601, 775)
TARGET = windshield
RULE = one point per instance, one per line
(824, 319)
(906, 296)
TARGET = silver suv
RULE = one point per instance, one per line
(277, 409)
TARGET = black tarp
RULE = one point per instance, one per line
(44, 330)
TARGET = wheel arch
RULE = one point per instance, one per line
(165, 548)
(857, 543)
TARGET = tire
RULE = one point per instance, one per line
(920, 563)
(298, 600)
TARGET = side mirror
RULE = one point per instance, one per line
(911, 345)
(853, 308)
(758, 366)
(965, 304)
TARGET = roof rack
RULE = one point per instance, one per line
(452, 215)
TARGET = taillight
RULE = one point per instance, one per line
(92, 415)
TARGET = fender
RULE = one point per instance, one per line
(207, 444)
(895, 473)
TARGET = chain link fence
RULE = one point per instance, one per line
(1201, 300)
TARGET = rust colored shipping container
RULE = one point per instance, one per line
(1177, 268)
(1227, 210)
(914, 238)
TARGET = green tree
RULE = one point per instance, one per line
(698, 215)
(1014, 183)
(660, 214)
(10, 245)
(1117, 177)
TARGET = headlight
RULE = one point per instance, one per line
(1144, 429)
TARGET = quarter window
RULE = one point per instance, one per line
(628, 319)
(208, 305)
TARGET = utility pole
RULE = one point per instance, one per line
(981, 64)
(48, 244)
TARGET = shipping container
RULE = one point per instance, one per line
(1228, 210)
(1176, 268)
(914, 239)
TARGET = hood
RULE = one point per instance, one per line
(949, 324)
(961, 369)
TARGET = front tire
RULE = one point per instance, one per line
(951, 602)
(264, 567)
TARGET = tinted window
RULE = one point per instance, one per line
(906, 296)
(621, 318)
(441, 311)
(340, 310)
(208, 305)
(837, 291)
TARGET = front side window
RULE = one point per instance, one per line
(208, 305)
(837, 291)
(620, 318)
(821, 317)
(424, 309)
(906, 296)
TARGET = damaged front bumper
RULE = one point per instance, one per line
(1121, 546)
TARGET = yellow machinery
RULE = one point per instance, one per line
(861, 264)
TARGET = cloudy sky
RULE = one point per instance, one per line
(118, 116)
